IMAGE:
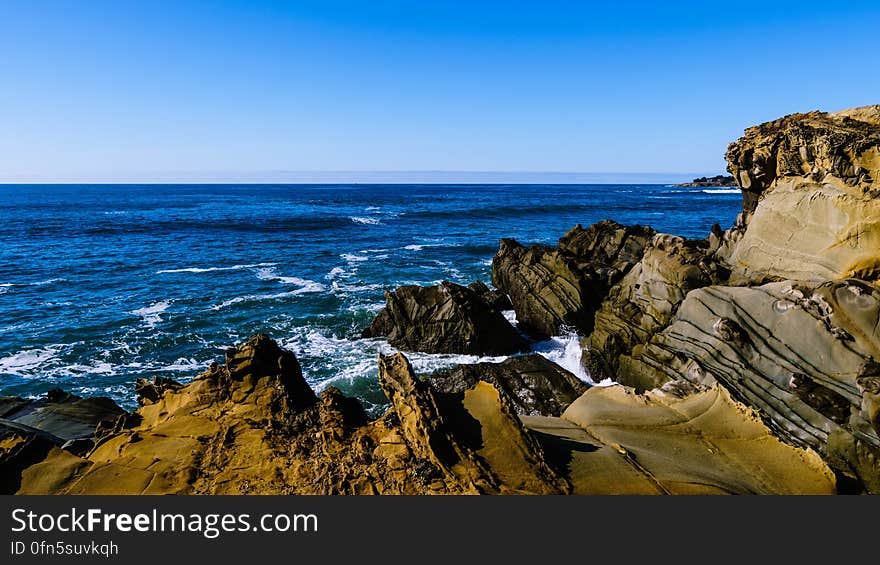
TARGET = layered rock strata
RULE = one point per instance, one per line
(554, 287)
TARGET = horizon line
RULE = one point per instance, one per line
(414, 176)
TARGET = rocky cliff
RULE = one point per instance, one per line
(782, 309)
(810, 209)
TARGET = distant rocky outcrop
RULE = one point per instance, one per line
(447, 318)
(533, 385)
(554, 287)
(718, 181)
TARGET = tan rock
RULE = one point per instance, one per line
(817, 178)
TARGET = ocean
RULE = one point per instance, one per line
(102, 284)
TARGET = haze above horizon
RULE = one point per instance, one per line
(270, 91)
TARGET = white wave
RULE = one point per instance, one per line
(212, 269)
(365, 221)
(338, 287)
(335, 272)
(26, 361)
(269, 274)
(96, 368)
(354, 258)
(183, 364)
(50, 281)
(371, 308)
(4, 286)
(722, 191)
(371, 208)
(306, 286)
(261, 297)
(414, 247)
(151, 313)
(565, 351)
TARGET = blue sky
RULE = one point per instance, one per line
(259, 90)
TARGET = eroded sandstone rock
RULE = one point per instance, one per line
(254, 426)
(645, 300)
(810, 198)
(613, 440)
(796, 352)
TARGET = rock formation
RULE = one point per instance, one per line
(716, 181)
(645, 300)
(563, 286)
(447, 318)
(254, 426)
(29, 429)
(674, 441)
(810, 209)
(533, 385)
(782, 309)
(752, 360)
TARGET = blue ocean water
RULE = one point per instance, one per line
(102, 284)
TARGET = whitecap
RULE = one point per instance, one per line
(4, 286)
(212, 269)
(354, 258)
(365, 221)
(722, 191)
(338, 287)
(269, 274)
(260, 297)
(183, 364)
(151, 313)
(334, 272)
(414, 247)
(27, 360)
(371, 208)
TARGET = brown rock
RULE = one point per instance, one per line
(532, 384)
(555, 287)
(447, 318)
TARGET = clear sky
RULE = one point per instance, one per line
(258, 90)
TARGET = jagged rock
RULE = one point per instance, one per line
(532, 384)
(494, 299)
(563, 286)
(794, 351)
(810, 209)
(645, 300)
(249, 426)
(689, 442)
(150, 392)
(447, 318)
